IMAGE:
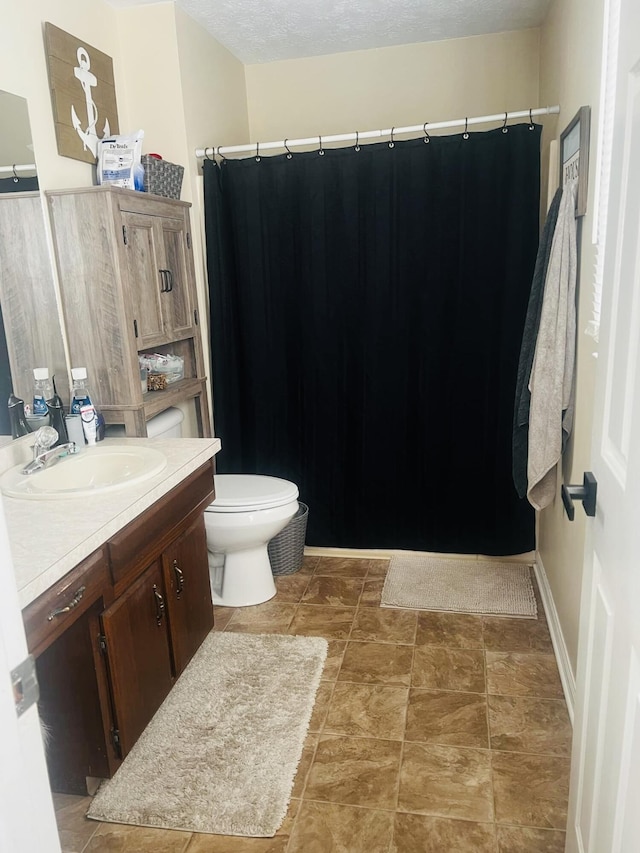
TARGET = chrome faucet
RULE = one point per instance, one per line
(43, 454)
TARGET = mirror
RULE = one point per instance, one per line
(30, 331)
(17, 160)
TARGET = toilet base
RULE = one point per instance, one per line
(247, 578)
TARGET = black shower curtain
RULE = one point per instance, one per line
(366, 314)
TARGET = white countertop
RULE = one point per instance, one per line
(48, 538)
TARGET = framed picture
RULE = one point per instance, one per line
(574, 155)
(83, 94)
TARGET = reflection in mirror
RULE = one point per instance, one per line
(17, 160)
(30, 330)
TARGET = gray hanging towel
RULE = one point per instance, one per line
(552, 372)
(527, 349)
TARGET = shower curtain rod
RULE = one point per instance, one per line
(372, 134)
(25, 167)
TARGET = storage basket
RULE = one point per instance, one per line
(161, 177)
(286, 550)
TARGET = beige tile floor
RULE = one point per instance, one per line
(432, 733)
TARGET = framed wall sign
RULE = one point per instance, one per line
(574, 155)
(83, 94)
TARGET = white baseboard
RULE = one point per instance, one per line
(567, 676)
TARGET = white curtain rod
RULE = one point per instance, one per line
(25, 167)
(372, 134)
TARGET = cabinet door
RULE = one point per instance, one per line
(138, 655)
(177, 298)
(188, 593)
(144, 261)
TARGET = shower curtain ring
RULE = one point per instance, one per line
(505, 129)
(289, 154)
(391, 142)
(258, 157)
(465, 135)
(427, 138)
(213, 153)
(320, 149)
(357, 145)
(15, 174)
(531, 124)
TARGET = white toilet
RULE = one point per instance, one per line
(248, 511)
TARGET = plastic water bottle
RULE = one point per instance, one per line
(42, 391)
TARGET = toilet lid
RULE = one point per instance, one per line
(246, 492)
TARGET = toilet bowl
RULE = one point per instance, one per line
(248, 511)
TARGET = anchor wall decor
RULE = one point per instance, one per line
(83, 94)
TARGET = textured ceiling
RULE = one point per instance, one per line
(266, 30)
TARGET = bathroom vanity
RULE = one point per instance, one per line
(116, 600)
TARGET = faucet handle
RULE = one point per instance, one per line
(45, 438)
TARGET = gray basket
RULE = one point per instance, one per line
(161, 177)
(286, 550)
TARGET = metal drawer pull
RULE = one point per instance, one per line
(179, 578)
(169, 281)
(159, 605)
(75, 601)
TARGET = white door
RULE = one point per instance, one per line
(27, 820)
(604, 811)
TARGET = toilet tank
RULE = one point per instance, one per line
(167, 424)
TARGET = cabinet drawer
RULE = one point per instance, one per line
(144, 539)
(47, 617)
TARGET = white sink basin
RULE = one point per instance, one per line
(93, 471)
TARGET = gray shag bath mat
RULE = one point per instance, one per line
(459, 586)
(221, 753)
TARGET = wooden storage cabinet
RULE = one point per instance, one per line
(131, 617)
(127, 286)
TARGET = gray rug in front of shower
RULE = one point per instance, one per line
(221, 753)
(459, 586)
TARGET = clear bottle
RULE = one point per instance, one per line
(42, 391)
(93, 423)
(80, 391)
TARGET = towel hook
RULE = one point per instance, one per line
(427, 138)
(505, 129)
(15, 174)
(465, 135)
(357, 145)
(258, 157)
(289, 154)
(531, 124)
(320, 149)
(391, 142)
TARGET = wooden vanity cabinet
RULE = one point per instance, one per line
(63, 634)
(125, 264)
(134, 614)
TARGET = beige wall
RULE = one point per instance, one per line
(570, 75)
(394, 86)
(172, 80)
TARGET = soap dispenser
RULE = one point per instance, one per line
(17, 419)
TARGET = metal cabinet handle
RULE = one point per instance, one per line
(75, 601)
(169, 281)
(179, 578)
(163, 281)
(160, 606)
(586, 493)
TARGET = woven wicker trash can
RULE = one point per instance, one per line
(286, 550)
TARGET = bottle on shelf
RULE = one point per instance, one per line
(56, 415)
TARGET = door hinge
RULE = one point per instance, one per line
(24, 682)
(188, 240)
(124, 234)
(102, 644)
(115, 740)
